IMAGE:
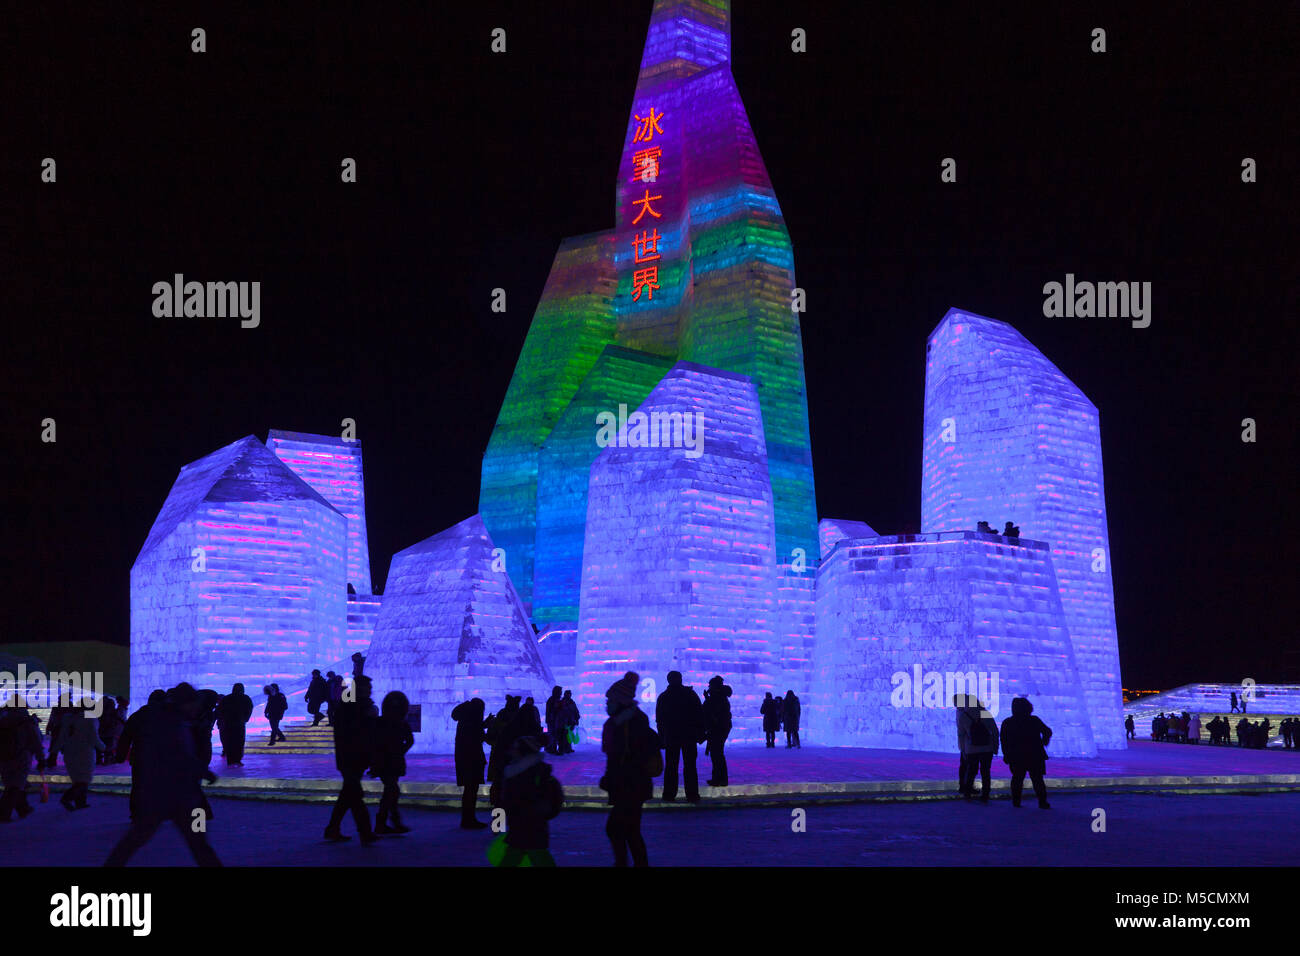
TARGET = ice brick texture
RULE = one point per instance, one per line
(679, 569)
(270, 604)
(893, 611)
(1027, 449)
(452, 627)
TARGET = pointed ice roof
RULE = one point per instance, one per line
(685, 37)
(245, 470)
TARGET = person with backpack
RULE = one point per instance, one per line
(977, 739)
(20, 741)
(632, 761)
(679, 716)
(276, 705)
(233, 713)
(1024, 748)
(717, 725)
(392, 740)
(531, 798)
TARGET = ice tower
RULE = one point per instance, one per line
(697, 268)
(1008, 437)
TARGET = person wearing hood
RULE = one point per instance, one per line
(570, 717)
(79, 741)
(717, 725)
(1024, 749)
(771, 713)
(470, 728)
(977, 740)
(632, 761)
(233, 713)
(531, 798)
(318, 693)
(20, 742)
(165, 774)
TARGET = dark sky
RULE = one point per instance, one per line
(472, 168)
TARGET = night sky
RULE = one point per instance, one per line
(224, 166)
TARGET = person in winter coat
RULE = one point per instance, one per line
(790, 712)
(354, 748)
(78, 739)
(110, 722)
(977, 739)
(570, 717)
(1024, 748)
(470, 727)
(20, 742)
(679, 717)
(530, 720)
(554, 730)
(771, 712)
(1194, 729)
(317, 695)
(334, 684)
(717, 725)
(233, 713)
(165, 774)
(1130, 728)
(531, 797)
(632, 761)
(393, 740)
(276, 705)
(503, 728)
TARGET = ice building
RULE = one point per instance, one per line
(242, 577)
(452, 627)
(1008, 437)
(697, 268)
(906, 621)
(678, 568)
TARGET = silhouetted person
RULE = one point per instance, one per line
(530, 796)
(20, 744)
(771, 713)
(984, 527)
(317, 695)
(1024, 749)
(233, 713)
(334, 684)
(632, 761)
(469, 758)
(1242, 703)
(502, 729)
(977, 739)
(393, 740)
(165, 778)
(276, 705)
(77, 738)
(679, 716)
(717, 725)
(791, 710)
(358, 665)
(530, 720)
(554, 727)
(1232, 699)
(110, 722)
(570, 717)
(354, 747)
(1011, 530)
(1130, 729)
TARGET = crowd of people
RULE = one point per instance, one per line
(1186, 728)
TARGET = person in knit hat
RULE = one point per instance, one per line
(717, 721)
(632, 761)
(531, 797)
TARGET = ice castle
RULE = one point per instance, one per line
(647, 499)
